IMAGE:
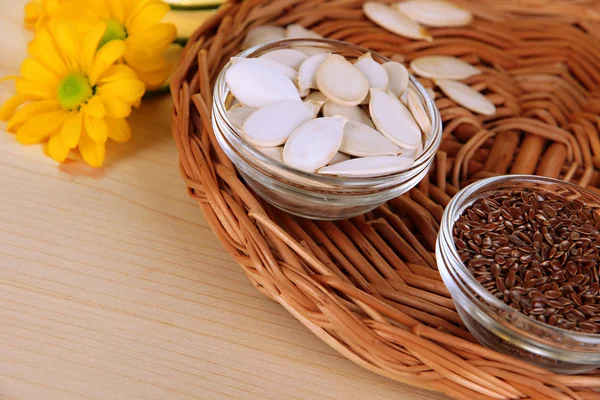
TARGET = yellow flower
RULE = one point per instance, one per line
(40, 13)
(72, 94)
(137, 22)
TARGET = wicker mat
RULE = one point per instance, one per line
(369, 286)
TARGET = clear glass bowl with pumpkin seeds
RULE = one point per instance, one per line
(314, 195)
(506, 328)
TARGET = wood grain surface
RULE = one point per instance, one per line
(112, 285)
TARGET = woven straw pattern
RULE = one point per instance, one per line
(369, 286)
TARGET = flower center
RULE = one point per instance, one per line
(114, 31)
(74, 90)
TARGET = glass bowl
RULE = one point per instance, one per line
(306, 194)
(491, 321)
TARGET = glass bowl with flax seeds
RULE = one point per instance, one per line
(520, 256)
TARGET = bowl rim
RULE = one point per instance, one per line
(451, 214)
(221, 95)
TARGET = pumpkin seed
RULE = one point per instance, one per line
(466, 96)
(368, 166)
(413, 153)
(271, 64)
(373, 71)
(313, 144)
(316, 97)
(341, 82)
(353, 113)
(290, 57)
(339, 157)
(272, 125)
(276, 153)
(363, 141)
(308, 71)
(418, 111)
(263, 34)
(443, 67)
(296, 31)
(398, 77)
(394, 120)
(395, 21)
(255, 85)
(438, 13)
(238, 114)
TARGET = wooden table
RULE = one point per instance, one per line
(112, 285)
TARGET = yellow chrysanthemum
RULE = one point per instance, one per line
(137, 22)
(39, 12)
(72, 94)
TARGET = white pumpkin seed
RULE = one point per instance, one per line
(317, 96)
(341, 82)
(466, 96)
(291, 73)
(431, 93)
(418, 111)
(290, 57)
(338, 158)
(362, 141)
(413, 154)
(353, 113)
(443, 67)
(263, 34)
(394, 120)
(398, 77)
(296, 31)
(272, 125)
(316, 106)
(367, 167)
(404, 98)
(313, 144)
(438, 13)
(303, 92)
(256, 86)
(395, 21)
(276, 153)
(238, 114)
(373, 71)
(308, 71)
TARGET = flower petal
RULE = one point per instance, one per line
(71, 129)
(115, 73)
(127, 90)
(118, 129)
(148, 16)
(116, 8)
(28, 110)
(115, 107)
(35, 90)
(33, 11)
(154, 39)
(106, 56)
(43, 49)
(57, 148)
(10, 105)
(92, 152)
(34, 71)
(67, 41)
(39, 127)
(154, 79)
(95, 128)
(94, 107)
(90, 43)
